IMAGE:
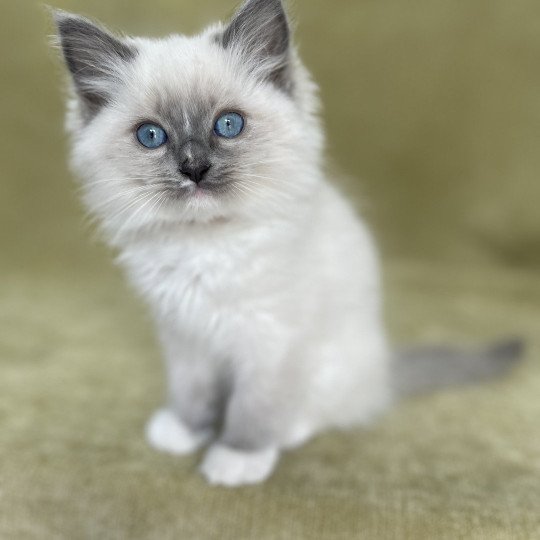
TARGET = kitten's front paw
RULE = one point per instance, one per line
(165, 432)
(230, 467)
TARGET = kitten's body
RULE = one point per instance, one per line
(285, 302)
(263, 283)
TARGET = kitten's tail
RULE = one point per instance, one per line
(424, 369)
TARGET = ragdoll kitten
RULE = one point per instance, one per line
(201, 157)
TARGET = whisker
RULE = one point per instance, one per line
(127, 224)
(122, 194)
(125, 179)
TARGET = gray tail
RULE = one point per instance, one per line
(424, 369)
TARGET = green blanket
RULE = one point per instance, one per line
(432, 110)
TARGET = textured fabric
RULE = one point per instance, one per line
(436, 105)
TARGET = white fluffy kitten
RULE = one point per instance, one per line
(201, 158)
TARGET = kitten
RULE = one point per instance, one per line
(201, 158)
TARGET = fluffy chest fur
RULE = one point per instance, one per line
(211, 281)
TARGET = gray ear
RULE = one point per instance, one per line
(93, 56)
(261, 30)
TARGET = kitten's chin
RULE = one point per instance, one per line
(195, 204)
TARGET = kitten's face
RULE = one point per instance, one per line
(189, 129)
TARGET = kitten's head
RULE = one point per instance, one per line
(195, 129)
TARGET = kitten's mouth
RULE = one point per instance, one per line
(200, 191)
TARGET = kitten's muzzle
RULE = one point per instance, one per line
(195, 169)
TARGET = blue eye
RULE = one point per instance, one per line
(151, 136)
(229, 125)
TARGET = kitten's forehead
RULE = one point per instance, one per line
(189, 110)
(194, 72)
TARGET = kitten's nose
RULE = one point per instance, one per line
(195, 169)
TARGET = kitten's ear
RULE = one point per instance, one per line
(260, 29)
(93, 56)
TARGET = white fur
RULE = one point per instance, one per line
(165, 432)
(275, 287)
(228, 467)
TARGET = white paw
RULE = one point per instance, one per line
(229, 467)
(165, 432)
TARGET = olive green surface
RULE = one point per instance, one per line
(433, 115)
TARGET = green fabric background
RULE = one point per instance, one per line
(433, 115)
